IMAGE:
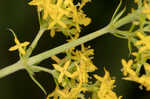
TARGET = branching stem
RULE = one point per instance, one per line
(42, 56)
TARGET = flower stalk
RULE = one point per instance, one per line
(42, 56)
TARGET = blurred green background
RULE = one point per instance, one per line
(22, 18)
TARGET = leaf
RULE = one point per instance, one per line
(129, 46)
(37, 83)
(119, 35)
(31, 73)
(118, 7)
(119, 15)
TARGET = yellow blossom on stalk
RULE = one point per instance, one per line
(127, 68)
(63, 71)
(147, 9)
(85, 55)
(85, 64)
(56, 59)
(106, 87)
(62, 14)
(57, 13)
(128, 72)
(19, 46)
(90, 67)
(143, 80)
(42, 5)
(83, 73)
(67, 93)
(132, 76)
(79, 18)
(144, 42)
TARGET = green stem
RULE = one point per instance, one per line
(39, 68)
(127, 19)
(18, 66)
(35, 42)
(110, 28)
(11, 69)
(40, 57)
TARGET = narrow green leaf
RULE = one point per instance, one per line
(37, 83)
(119, 36)
(129, 46)
(119, 15)
(116, 11)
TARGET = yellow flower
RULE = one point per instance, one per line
(147, 9)
(57, 13)
(67, 93)
(143, 80)
(19, 46)
(81, 73)
(79, 18)
(106, 87)
(83, 63)
(86, 53)
(144, 42)
(62, 14)
(54, 11)
(63, 71)
(83, 68)
(132, 76)
(42, 5)
(127, 68)
(56, 59)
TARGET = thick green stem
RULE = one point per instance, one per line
(18, 66)
(42, 56)
(74, 43)
(10, 69)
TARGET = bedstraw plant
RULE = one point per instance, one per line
(71, 73)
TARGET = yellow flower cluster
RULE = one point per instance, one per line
(133, 76)
(62, 15)
(146, 10)
(141, 43)
(106, 88)
(67, 93)
(72, 71)
(76, 69)
(144, 42)
(73, 75)
(81, 61)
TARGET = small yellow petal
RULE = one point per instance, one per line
(13, 48)
(25, 44)
(140, 35)
(57, 67)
